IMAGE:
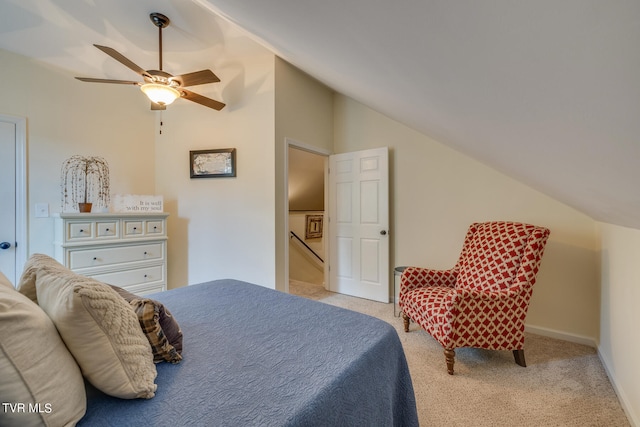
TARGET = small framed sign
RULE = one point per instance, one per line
(314, 227)
(212, 163)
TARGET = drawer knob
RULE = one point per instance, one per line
(107, 229)
(81, 230)
(145, 252)
(135, 228)
(95, 258)
(145, 276)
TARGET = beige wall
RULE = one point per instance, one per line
(437, 192)
(306, 180)
(620, 315)
(304, 113)
(66, 117)
(222, 227)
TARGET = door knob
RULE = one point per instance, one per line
(5, 245)
(383, 232)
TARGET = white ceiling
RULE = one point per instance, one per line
(547, 91)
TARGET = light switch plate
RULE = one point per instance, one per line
(42, 210)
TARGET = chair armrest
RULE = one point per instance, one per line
(487, 296)
(485, 304)
(416, 277)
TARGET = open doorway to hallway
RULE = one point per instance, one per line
(354, 245)
(307, 232)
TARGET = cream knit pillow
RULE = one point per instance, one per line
(40, 383)
(100, 329)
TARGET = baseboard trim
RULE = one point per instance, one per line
(565, 336)
(627, 407)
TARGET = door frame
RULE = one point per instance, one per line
(21, 249)
(289, 142)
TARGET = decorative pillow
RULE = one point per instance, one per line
(27, 283)
(40, 383)
(99, 328)
(157, 323)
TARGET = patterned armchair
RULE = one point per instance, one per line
(482, 301)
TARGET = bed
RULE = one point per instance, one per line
(253, 356)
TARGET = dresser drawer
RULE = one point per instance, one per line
(155, 227)
(143, 290)
(79, 230)
(133, 228)
(137, 276)
(146, 288)
(105, 256)
(107, 229)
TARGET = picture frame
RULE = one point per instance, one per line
(313, 230)
(214, 163)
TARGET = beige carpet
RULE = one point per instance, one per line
(564, 384)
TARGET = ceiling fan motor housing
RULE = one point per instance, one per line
(162, 77)
(159, 20)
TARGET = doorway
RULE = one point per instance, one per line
(13, 196)
(356, 240)
(306, 250)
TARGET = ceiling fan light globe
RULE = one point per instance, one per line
(159, 93)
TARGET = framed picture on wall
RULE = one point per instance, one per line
(313, 229)
(215, 163)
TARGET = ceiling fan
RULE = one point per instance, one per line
(161, 87)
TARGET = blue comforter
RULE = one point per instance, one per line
(258, 357)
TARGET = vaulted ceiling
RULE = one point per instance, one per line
(546, 91)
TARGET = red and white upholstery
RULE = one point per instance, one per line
(483, 300)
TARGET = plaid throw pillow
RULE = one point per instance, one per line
(149, 317)
(157, 323)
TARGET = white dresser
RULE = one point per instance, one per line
(126, 250)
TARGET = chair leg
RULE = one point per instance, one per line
(519, 356)
(406, 320)
(449, 355)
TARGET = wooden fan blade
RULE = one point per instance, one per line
(121, 58)
(196, 78)
(155, 106)
(202, 100)
(120, 82)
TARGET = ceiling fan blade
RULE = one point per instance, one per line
(121, 58)
(121, 82)
(202, 100)
(155, 106)
(196, 78)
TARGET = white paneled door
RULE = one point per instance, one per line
(359, 223)
(8, 199)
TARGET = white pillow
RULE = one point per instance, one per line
(40, 383)
(100, 329)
